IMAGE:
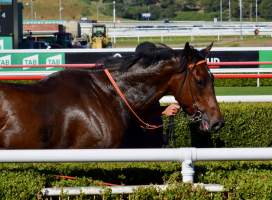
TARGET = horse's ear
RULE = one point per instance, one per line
(187, 49)
(206, 52)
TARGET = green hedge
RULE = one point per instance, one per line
(246, 125)
(242, 82)
(242, 180)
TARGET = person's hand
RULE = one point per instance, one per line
(171, 110)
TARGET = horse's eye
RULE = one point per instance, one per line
(200, 82)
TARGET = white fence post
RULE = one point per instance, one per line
(187, 171)
(161, 38)
(258, 81)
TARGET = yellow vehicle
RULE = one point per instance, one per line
(99, 37)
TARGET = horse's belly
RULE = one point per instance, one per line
(19, 140)
(96, 140)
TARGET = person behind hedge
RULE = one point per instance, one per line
(137, 137)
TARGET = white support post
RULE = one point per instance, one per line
(161, 38)
(192, 37)
(187, 171)
(258, 81)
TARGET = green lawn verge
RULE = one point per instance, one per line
(197, 41)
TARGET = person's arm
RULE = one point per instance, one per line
(171, 110)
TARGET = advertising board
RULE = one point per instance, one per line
(5, 43)
(31, 59)
(76, 56)
(265, 55)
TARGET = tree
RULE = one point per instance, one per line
(265, 9)
(209, 5)
(190, 5)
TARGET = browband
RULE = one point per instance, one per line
(191, 66)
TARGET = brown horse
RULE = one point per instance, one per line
(81, 109)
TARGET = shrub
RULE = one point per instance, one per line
(246, 125)
(244, 82)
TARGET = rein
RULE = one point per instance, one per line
(121, 94)
(196, 116)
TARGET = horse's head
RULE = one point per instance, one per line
(194, 90)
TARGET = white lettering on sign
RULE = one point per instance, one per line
(117, 55)
(3, 15)
(31, 60)
(5, 60)
(1, 44)
(213, 59)
(54, 60)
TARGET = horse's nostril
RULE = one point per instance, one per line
(218, 125)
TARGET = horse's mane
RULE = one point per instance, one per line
(146, 54)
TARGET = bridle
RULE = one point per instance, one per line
(197, 116)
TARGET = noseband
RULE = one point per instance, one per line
(197, 115)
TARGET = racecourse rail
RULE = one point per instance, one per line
(181, 28)
(184, 155)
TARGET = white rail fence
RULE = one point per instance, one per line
(228, 99)
(158, 29)
(187, 156)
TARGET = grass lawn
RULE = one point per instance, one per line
(223, 91)
(199, 41)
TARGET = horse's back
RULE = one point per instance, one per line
(66, 110)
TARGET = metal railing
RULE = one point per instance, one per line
(187, 156)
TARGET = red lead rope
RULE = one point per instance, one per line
(121, 94)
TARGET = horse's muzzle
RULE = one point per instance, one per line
(218, 125)
(205, 124)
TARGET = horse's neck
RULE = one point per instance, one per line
(142, 88)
